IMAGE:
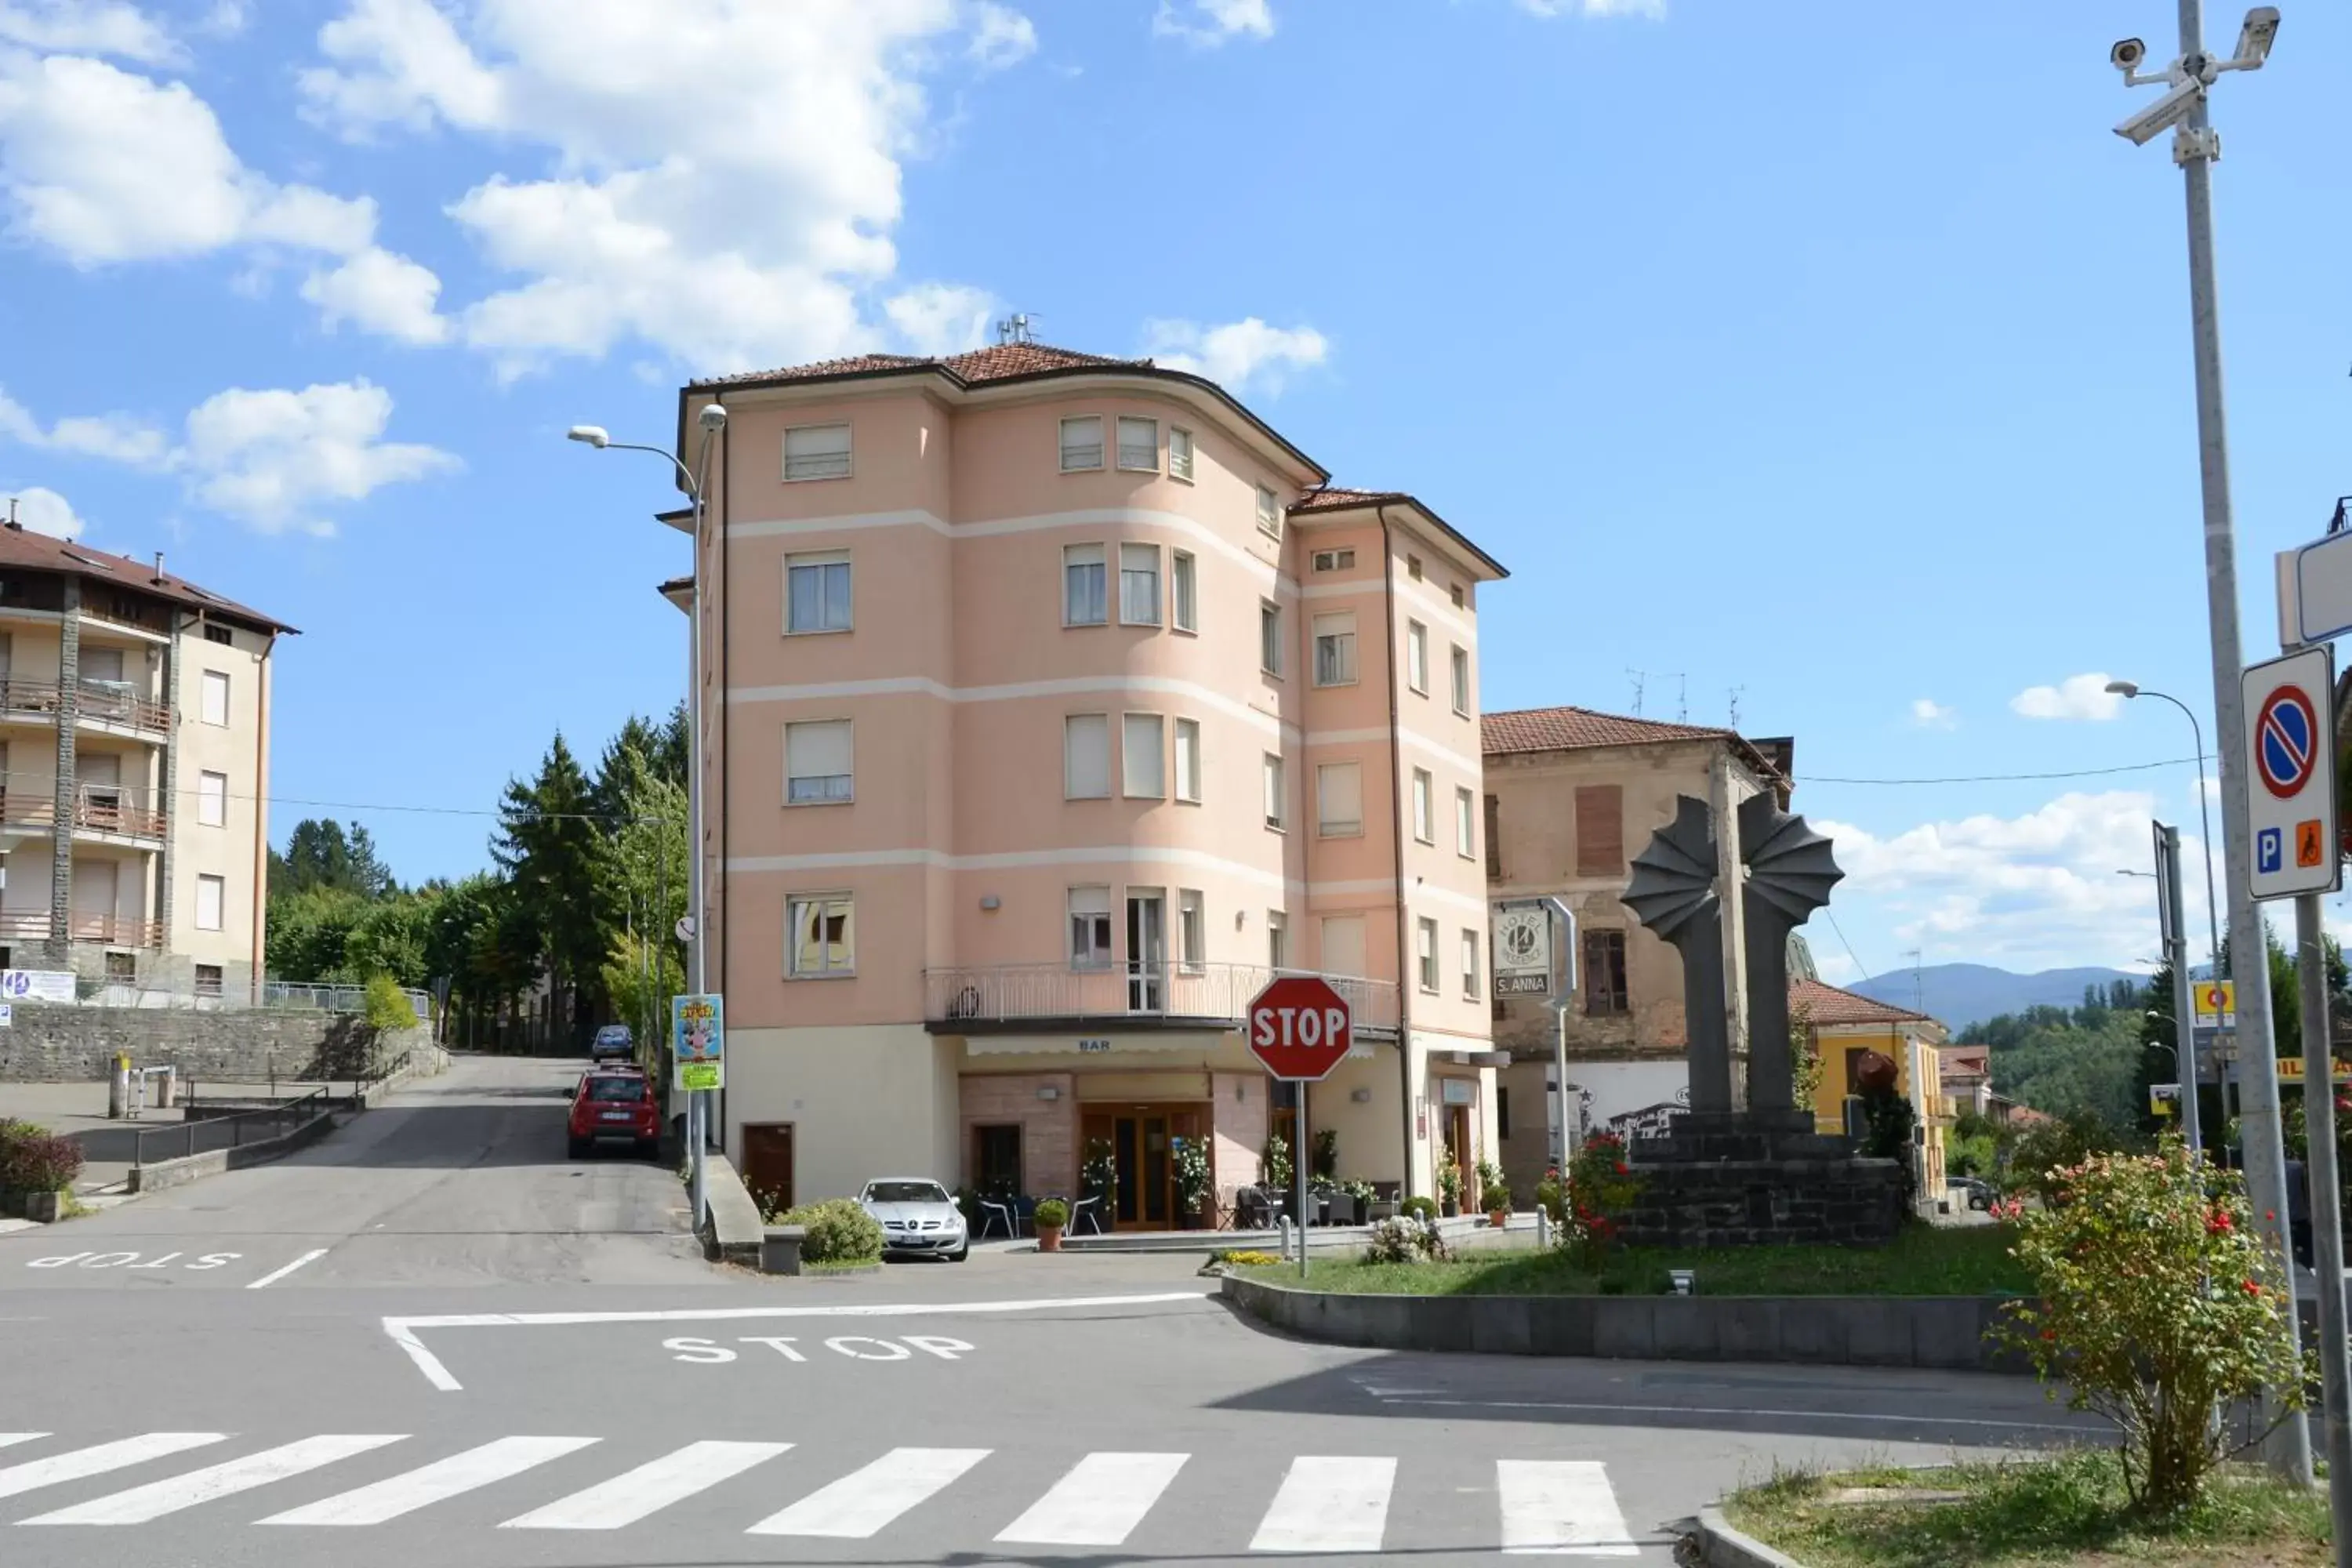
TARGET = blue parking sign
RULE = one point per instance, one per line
(2270, 850)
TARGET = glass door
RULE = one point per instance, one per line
(1146, 950)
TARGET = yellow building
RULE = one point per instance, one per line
(1842, 1027)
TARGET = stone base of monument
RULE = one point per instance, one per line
(1755, 1178)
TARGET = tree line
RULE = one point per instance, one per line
(574, 926)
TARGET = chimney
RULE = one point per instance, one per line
(159, 566)
(12, 515)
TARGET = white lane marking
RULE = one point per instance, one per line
(1563, 1506)
(2078, 1427)
(436, 1482)
(275, 1275)
(402, 1332)
(97, 1461)
(1098, 1503)
(626, 1499)
(157, 1499)
(8, 1437)
(1329, 1505)
(860, 1503)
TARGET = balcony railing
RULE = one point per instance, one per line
(110, 702)
(113, 930)
(97, 809)
(1211, 995)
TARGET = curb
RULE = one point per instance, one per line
(1720, 1546)
(165, 1174)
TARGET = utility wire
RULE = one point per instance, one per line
(1847, 945)
(2007, 778)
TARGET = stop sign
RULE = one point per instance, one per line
(1300, 1027)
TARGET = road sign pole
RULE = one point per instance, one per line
(2184, 1015)
(2327, 1217)
(1298, 1157)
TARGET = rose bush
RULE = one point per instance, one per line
(1600, 1184)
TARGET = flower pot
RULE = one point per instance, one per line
(1497, 1218)
(45, 1209)
(1449, 1207)
(1049, 1239)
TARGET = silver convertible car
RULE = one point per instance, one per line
(919, 1218)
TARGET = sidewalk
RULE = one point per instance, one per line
(68, 1108)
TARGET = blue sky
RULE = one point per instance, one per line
(1837, 355)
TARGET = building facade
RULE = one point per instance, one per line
(1845, 1029)
(134, 742)
(1052, 705)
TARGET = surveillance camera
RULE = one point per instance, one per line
(2163, 114)
(2127, 54)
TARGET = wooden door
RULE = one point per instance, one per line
(768, 1165)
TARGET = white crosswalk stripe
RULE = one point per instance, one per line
(97, 1461)
(862, 1502)
(1329, 1505)
(1098, 1503)
(433, 1483)
(157, 1499)
(650, 1488)
(1561, 1506)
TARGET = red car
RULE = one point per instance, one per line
(615, 1105)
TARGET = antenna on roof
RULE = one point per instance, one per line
(1014, 328)
(1682, 698)
(1735, 707)
(1638, 677)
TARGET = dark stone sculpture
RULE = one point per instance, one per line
(1673, 893)
(1790, 874)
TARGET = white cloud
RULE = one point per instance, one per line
(380, 292)
(45, 511)
(752, 230)
(85, 26)
(1650, 8)
(117, 437)
(227, 18)
(940, 318)
(2076, 697)
(1211, 22)
(1929, 714)
(1237, 354)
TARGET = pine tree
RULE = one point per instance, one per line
(556, 857)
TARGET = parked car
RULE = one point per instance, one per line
(615, 1105)
(1979, 1194)
(612, 1040)
(919, 1218)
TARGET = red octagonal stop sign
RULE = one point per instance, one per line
(1300, 1028)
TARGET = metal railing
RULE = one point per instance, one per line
(109, 702)
(297, 996)
(112, 930)
(233, 1131)
(97, 809)
(1218, 992)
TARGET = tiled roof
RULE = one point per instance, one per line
(1566, 729)
(995, 363)
(21, 547)
(1339, 498)
(1825, 1004)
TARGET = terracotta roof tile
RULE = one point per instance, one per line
(22, 547)
(993, 363)
(1826, 1003)
(1337, 498)
(1566, 729)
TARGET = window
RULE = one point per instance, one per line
(212, 892)
(818, 767)
(1416, 657)
(220, 635)
(1085, 757)
(122, 966)
(1089, 927)
(212, 800)
(1339, 800)
(1335, 649)
(1273, 775)
(1426, 938)
(1143, 763)
(816, 452)
(208, 979)
(1469, 964)
(816, 592)
(1139, 584)
(214, 709)
(1334, 560)
(1085, 602)
(1503, 1110)
(823, 935)
(1081, 443)
(1424, 828)
(1193, 928)
(1600, 830)
(1188, 759)
(1184, 590)
(1180, 454)
(1604, 973)
(1269, 636)
(1461, 599)
(1269, 511)
(1494, 836)
(996, 1160)
(1462, 681)
(1277, 940)
(1138, 445)
(1412, 567)
(1466, 826)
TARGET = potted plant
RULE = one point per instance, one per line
(1327, 1153)
(40, 1167)
(1449, 1185)
(1051, 1215)
(1098, 1175)
(1190, 1160)
(1494, 1193)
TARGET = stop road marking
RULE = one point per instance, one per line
(854, 1347)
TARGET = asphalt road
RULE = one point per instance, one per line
(434, 1337)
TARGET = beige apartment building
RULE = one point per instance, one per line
(1053, 704)
(134, 743)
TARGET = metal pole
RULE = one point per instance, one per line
(694, 1138)
(2326, 1218)
(2288, 1448)
(1299, 1165)
(2184, 1015)
(2205, 818)
(1560, 1070)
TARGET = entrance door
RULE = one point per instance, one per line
(1146, 950)
(1144, 1140)
(1466, 1159)
(768, 1165)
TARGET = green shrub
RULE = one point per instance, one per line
(1599, 1185)
(1494, 1192)
(1418, 1207)
(1552, 1198)
(839, 1231)
(1246, 1257)
(34, 1159)
(1052, 1214)
(386, 1007)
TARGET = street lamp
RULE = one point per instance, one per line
(2126, 688)
(712, 421)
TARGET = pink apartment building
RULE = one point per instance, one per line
(1053, 704)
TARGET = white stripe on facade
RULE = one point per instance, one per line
(153, 1500)
(1425, 893)
(650, 1488)
(1111, 855)
(851, 522)
(1098, 1503)
(1329, 1505)
(1071, 686)
(860, 1503)
(1437, 749)
(1561, 1507)
(97, 1461)
(1430, 610)
(436, 1482)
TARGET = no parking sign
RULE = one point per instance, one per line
(2291, 756)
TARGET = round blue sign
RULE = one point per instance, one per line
(2286, 742)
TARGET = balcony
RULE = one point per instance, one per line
(95, 702)
(108, 809)
(1025, 998)
(113, 930)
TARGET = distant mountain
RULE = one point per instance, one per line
(1958, 995)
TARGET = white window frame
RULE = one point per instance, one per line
(1424, 806)
(1269, 637)
(1082, 419)
(213, 681)
(1130, 726)
(1337, 627)
(820, 560)
(1277, 940)
(1425, 954)
(1082, 954)
(849, 779)
(1466, 822)
(1184, 591)
(1326, 825)
(206, 882)
(1335, 560)
(1186, 761)
(1101, 564)
(1273, 793)
(818, 465)
(212, 799)
(1151, 464)
(1269, 512)
(1191, 930)
(1132, 551)
(1460, 670)
(794, 903)
(1470, 966)
(1416, 658)
(1071, 727)
(1180, 469)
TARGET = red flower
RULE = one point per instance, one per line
(2049, 1333)
(2250, 1288)
(2269, 1216)
(1620, 1167)
(2219, 1225)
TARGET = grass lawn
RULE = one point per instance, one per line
(1920, 1261)
(2067, 1511)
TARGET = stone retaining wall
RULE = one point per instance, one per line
(52, 1043)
